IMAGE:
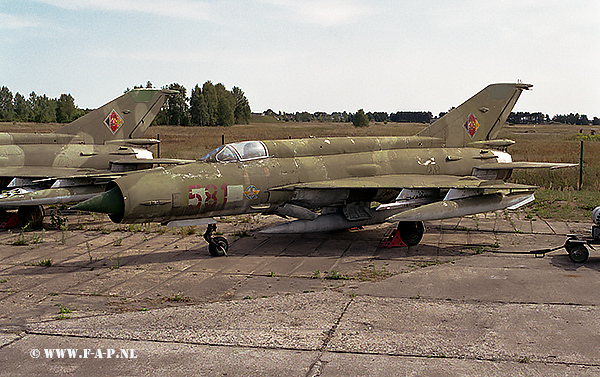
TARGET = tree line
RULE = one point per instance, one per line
(346, 117)
(36, 108)
(423, 117)
(539, 118)
(214, 105)
(209, 105)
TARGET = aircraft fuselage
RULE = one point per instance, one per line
(208, 189)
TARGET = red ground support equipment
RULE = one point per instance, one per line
(12, 222)
(394, 240)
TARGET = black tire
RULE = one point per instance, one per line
(569, 246)
(218, 247)
(31, 215)
(411, 232)
(579, 254)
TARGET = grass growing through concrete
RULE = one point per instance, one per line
(372, 273)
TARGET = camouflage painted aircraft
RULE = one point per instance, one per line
(452, 168)
(76, 161)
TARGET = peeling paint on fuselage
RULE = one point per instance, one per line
(209, 187)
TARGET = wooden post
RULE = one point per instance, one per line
(581, 165)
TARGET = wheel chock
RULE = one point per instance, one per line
(394, 240)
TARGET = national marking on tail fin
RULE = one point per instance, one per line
(126, 117)
(479, 118)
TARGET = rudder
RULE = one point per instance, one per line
(479, 118)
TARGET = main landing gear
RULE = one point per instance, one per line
(217, 246)
(31, 215)
(409, 233)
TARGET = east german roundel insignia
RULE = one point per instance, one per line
(113, 121)
(471, 125)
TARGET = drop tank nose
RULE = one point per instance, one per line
(110, 202)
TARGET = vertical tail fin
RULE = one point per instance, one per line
(479, 118)
(125, 117)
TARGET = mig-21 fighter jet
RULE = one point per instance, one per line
(454, 167)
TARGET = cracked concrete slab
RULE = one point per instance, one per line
(299, 322)
(468, 300)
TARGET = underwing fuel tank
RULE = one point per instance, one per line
(433, 211)
(323, 223)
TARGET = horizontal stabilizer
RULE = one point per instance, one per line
(136, 142)
(156, 161)
(13, 198)
(524, 165)
(495, 143)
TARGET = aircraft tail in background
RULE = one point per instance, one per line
(126, 117)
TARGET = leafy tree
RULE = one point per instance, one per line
(572, 119)
(226, 105)
(175, 110)
(242, 110)
(303, 117)
(360, 119)
(411, 117)
(43, 108)
(195, 105)
(6, 104)
(378, 116)
(209, 104)
(22, 108)
(66, 111)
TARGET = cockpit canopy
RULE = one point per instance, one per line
(243, 151)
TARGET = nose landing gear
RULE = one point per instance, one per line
(217, 246)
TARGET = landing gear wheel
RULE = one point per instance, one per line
(579, 254)
(217, 246)
(31, 215)
(569, 246)
(411, 232)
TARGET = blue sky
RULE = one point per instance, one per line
(313, 55)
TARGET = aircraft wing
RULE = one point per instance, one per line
(37, 185)
(407, 181)
(32, 185)
(419, 198)
(42, 171)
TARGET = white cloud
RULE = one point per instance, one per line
(180, 9)
(9, 21)
(325, 12)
